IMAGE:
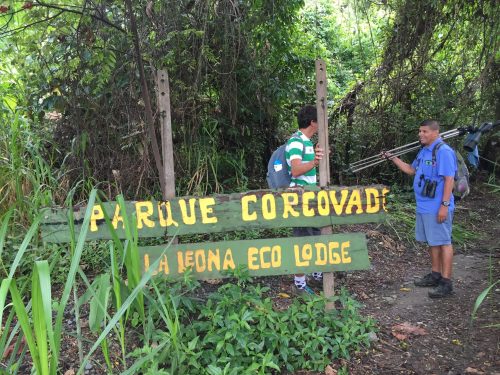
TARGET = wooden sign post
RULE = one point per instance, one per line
(167, 147)
(324, 164)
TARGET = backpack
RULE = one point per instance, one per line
(278, 176)
(461, 187)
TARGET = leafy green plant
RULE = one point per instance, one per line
(239, 330)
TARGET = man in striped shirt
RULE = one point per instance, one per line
(302, 159)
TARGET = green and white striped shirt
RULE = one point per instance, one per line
(301, 147)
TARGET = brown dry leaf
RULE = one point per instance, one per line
(363, 295)
(214, 281)
(403, 330)
(399, 336)
(329, 370)
(70, 372)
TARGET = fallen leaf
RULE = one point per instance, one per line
(283, 295)
(456, 342)
(403, 330)
(405, 289)
(70, 372)
(329, 370)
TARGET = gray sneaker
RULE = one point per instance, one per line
(426, 281)
(441, 291)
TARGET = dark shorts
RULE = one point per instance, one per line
(427, 229)
(306, 231)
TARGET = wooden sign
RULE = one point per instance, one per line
(276, 256)
(260, 209)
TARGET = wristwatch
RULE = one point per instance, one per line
(445, 203)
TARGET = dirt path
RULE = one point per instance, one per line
(444, 340)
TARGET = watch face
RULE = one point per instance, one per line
(445, 203)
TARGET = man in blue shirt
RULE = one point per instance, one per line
(434, 172)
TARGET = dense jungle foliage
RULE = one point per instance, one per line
(72, 103)
(74, 116)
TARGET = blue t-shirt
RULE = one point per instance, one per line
(446, 165)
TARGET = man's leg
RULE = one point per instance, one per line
(422, 231)
(299, 280)
(445, 287)
(446, 260)
(436, 258)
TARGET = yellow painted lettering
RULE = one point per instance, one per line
(165, 215)
(276, 256)
(206, 208)
(384, 193)
(289, 201)
(323, 203)
(228, 260)
(189, 218)
(372, 201)
(189, 258)
(338, 206)
(306, 197)
(321, 254)
(268, 207)
(146, 264)
(333, 255)
(345, 255)
(117, 217)
(354, 200)
(298, 260)
(213, 262)
(97, 214)
(180, 262)
(163, 266)
(252, 258)
(264, 264)
(144, 210)
(200, 260)
(307, 252)
(245, 213)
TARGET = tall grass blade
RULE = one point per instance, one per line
(3, 236)
(75, 261)
(24, 245)
(122, 310)
(22, 317)
(480, 299)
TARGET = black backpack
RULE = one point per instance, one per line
(278, 176)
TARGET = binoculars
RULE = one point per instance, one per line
(429, 189)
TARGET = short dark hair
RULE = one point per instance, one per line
(305, 115)
(432, 124)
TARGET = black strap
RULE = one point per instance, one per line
(434, 152)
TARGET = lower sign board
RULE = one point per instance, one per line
(264, 257)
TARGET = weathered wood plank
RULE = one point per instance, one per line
(312, 207)
(276, 256)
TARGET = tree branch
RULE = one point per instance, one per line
(145, 96)
(103, 20)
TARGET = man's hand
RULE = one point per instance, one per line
(442, 214)
(318, 155)
(386, 155)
